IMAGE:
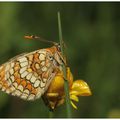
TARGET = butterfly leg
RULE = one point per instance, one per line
(50, 100)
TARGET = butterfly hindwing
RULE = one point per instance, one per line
(28, 75)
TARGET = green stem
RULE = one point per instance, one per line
(66, 85)
(50, 114)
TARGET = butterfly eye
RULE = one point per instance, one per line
(51, 58)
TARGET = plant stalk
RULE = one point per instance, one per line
(51, 114)
(66, 84)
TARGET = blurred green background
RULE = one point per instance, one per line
(91, 32)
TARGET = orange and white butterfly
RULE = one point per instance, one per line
(29, 75)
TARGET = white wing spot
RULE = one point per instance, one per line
(15, 84)
(20, 87)
(33, 79)
(24, 74)
(12, 88)
(23, 64)
(29, 76)
(11, 71)
(23, 69)
(7, 76)
(12, 78)
(37, 66)
(31, 97)
(42, 84)
(24, 96)
(40, 92)
(44, 79)
(42, 57)
(8, 91)
(26, 91)
(35, 74)
(44, 69)
(43, 63)
(23, 59)
(42, 52)
(9, 81)
(17, 93)
(12, 64)
(3, 88)
(7, 67)
(37, 82)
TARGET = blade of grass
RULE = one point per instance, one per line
(66, 86)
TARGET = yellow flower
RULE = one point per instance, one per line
(79, 88)
(55, 94)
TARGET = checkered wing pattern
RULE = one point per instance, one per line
(28, 76)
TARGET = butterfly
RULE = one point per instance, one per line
(29, 75)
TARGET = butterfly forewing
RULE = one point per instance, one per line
(28, 76)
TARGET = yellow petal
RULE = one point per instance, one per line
(72, 92)
(57, 84)
(74, 97)
(81, 87)
(74, 106)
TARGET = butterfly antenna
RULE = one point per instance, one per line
(32, 37)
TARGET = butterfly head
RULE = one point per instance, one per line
(58, 55)
(56, 49)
